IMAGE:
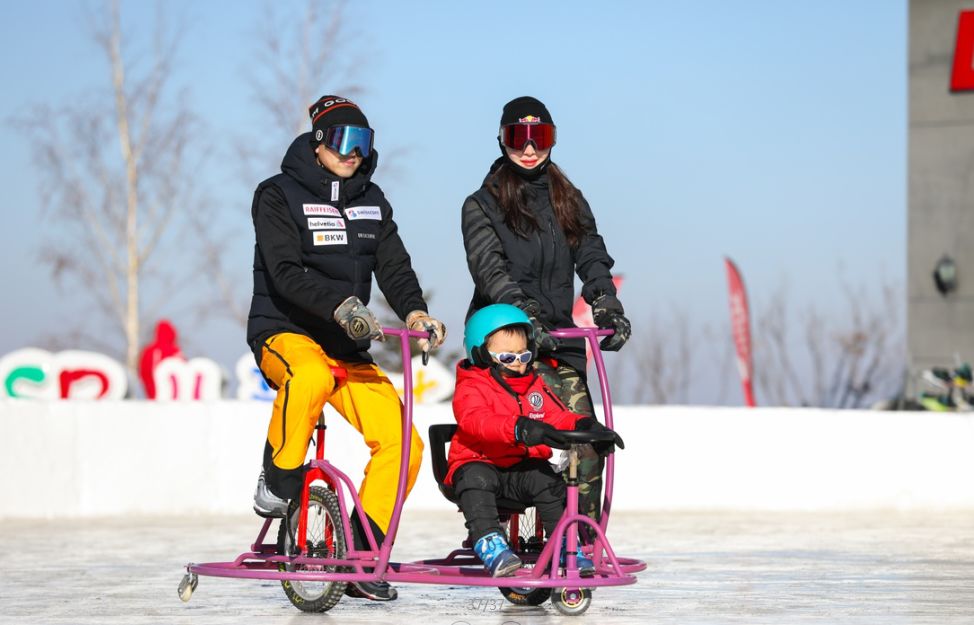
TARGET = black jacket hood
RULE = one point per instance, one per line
(301, 164)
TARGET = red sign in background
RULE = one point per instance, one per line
(962, 75)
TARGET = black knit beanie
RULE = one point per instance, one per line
(525, 109)
(522, 110)
(332, 110)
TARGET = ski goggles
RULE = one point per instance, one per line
(347, 139)
(509, 358)
(517, 136)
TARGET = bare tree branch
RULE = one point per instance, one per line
(859, 358)
(662, 366)
(296, 61)
(116, 193)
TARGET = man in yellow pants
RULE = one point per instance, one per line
(323, 229)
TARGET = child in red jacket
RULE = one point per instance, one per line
(508, 421)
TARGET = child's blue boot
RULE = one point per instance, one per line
(497, 557)
(586, 568)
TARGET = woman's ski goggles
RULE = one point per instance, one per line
(346, 139)
(516, 136)
(509, 358)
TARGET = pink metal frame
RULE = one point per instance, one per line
(461, 567)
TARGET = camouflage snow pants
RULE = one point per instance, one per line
(568, 385)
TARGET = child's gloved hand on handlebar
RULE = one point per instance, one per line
(589, 424)
(532, 432)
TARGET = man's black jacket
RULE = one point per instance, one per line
(319, 240)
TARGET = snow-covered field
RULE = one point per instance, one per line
(719, 567)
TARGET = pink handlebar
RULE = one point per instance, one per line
(416, 334)
(580, 333)
(404, 335)
(592, 337)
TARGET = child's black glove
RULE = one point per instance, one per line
(531, 433)
(588, 424)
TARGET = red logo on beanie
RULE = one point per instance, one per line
(530, 119)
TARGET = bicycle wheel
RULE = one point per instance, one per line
(526, 596)
(571, 601)
(527, 542)
(325, 539)
(527, 526)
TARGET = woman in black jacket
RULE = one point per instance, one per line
(527, 232)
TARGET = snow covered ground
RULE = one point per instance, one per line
(860, 567)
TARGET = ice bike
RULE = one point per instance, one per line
(314, 558)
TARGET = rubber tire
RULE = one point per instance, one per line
(319, 498)
(560, 603)
(526, 596)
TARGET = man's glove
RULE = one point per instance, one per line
(422, 322)
(358, 321)
(544, 341)
(531, 433)
(589, 424)
(608, 314)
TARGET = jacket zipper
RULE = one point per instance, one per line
(342, 204)
(554, 253)
(520, 407)
(542, 291)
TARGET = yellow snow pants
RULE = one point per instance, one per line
(301, 371)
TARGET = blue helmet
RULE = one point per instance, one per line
(488, 320)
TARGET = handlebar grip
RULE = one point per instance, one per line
(416, 334)
(580, 333)
(583, 437)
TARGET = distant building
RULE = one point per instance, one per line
(940, 224)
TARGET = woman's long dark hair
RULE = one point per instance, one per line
(511, 192)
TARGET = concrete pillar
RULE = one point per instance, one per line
(941, 190)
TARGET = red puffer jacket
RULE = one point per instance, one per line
(486, 407)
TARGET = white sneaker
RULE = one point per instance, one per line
(266, 503)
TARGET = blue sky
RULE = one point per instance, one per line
(771, 132)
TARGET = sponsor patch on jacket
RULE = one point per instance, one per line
(325, 223)
(536, 400)
(363, 212)
(322, 209)
(334, 191)
(366, 235)
(329, 237)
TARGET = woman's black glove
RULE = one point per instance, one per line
(544, 341)
(589, 424)
(608, 314)
(531, 433)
